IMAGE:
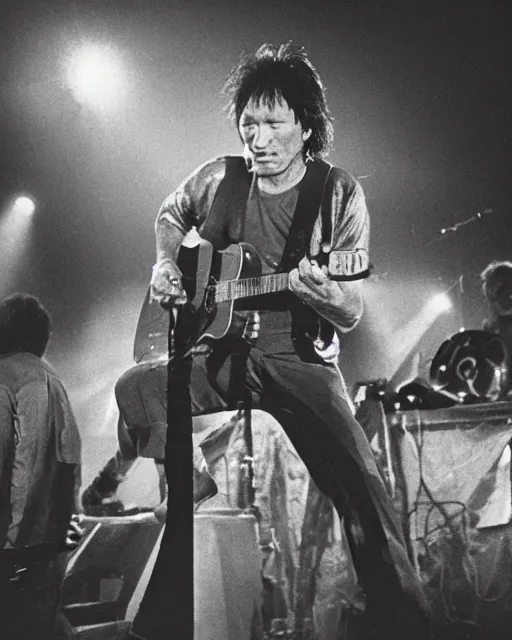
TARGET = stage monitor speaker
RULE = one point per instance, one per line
(107, 577)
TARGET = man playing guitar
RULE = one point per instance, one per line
(277, 103)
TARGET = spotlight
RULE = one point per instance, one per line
(24, 205)
(440, 303)
(96, 76)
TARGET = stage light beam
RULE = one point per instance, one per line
(440, 303)
(408, 335)
(16, 222)
(96, 76)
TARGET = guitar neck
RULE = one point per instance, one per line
(250, 287)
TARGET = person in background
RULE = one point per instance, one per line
(496, 281)
(40, 470)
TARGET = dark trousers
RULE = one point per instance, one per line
(308, 401)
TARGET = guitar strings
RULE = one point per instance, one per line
(248, 287)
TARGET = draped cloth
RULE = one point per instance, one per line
(452, 469)
(309, 581)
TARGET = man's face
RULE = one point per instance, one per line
(273, 138)
(499, 293)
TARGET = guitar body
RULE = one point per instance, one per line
(203, 319)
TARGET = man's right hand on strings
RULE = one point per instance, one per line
(166, 284)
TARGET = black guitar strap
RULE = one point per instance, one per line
(306, 323)
(306, 212)
(225, 222)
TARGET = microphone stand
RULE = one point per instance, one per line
(453, 229)
(463, 223)
(247, 465)
(244, 404)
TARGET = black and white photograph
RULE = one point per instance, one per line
(255, 320)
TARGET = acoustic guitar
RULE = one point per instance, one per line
(216, 283)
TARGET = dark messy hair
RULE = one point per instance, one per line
(24, 325)
(283, 72)
(494, 276)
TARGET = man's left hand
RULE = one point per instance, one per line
(310, 282)
(338, 302)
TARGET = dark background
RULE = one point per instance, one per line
(421, 98)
